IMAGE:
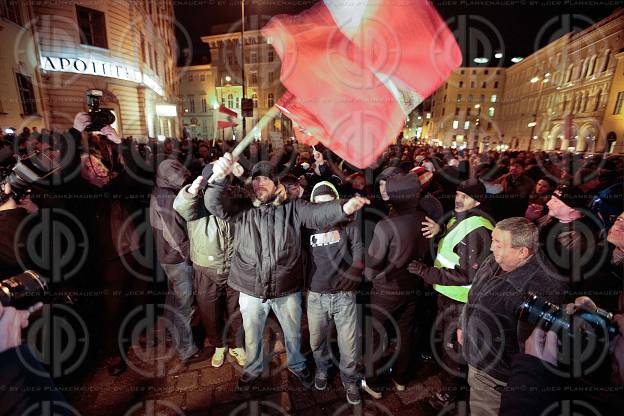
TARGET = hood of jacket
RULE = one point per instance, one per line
(172, 174)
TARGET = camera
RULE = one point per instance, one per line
(23, 290)
(100, 117)
(22, 172)
(592, 325)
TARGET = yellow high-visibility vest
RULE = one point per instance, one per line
(448, 259)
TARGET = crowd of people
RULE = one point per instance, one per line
(428, 253)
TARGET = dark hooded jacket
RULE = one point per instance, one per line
(169, 227)
(267, 260)
(396, 240)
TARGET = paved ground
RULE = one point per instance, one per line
(156, 384)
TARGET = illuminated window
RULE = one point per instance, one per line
(455, 124)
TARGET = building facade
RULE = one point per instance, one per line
(261, 76)
(125, 49)
(199, 101)
(464, 112)
(564, 96)
(20, 93)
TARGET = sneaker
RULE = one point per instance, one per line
(218, 357)
(320, 379)
(353, 393)
(304, 377)
(244, 383)
(239, 356)
(368, 389)
(398, 386)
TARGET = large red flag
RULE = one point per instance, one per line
(354, 72)
(227, 118)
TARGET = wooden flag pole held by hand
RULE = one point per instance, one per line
(240, 148)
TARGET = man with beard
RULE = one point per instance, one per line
(464, 245)
(267, 264)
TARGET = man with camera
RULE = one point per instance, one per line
(514, 268)
(535, 384)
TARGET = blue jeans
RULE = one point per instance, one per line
(287, 309)
(341, 309)
(180, 288)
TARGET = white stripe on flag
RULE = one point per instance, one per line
(407, 98)
(348, 15)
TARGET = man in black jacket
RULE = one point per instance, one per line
(394, 292)
(266, 266)
(336, 263)
(489, 324)
(464, 245)
(172, 250)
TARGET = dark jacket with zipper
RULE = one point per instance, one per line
(267, 260)
(492, 307)
(336, 253)
(397, 240)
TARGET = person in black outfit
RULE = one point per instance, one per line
(395, 291)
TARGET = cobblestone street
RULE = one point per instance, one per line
(156, 384)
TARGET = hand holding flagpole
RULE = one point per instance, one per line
(240, 148)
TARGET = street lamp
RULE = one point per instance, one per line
(533, 123)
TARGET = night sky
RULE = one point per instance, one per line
(517, 28)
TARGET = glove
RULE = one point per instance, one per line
(416, 267)
(351, 280)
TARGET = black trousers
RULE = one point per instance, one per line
(390, 314)
(123, 292)
(218, 308)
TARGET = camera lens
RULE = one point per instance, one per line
(23, 290)
(541, 313)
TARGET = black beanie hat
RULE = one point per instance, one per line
(474, 189)
(264, 168)
(572, 196)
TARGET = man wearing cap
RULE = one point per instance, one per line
(266, 265)
(462, 248)
(336, 264)
(568, 237)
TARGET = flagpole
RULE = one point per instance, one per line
(249, 137)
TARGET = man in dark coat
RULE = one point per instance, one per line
(172, 250)
(395, 290)
(267, 264)
(501, 284)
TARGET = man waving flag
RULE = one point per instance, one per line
(355, 71)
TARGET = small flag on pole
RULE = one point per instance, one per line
(226, 118)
